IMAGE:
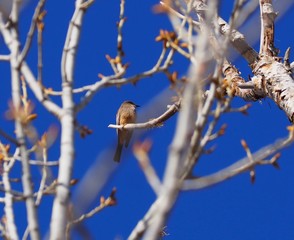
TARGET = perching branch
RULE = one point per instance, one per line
(159, 121)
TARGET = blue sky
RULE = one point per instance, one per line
(235, 209)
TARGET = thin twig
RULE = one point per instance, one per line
(238, 167)
(31, 31)
(120, 24)
(4, 57)
(8, 209)
(110, 201)
(116, 80)
(8, 137)
(40, 47)
(44, 178)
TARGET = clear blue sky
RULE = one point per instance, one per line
(235, 209)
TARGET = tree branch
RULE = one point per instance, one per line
(59, 218)
(173, 109)
(179, 150)
(31, 31)
(8, 209)
(236, 38)
(32, 216)
(267, 28)
(238, 167)
(141, 151)
(110, 201)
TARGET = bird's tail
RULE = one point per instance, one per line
(117, 154)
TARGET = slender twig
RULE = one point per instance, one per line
(110, 201)
(40, 47)
(40, 163)
(29, 77)
(5, 58)
(238, 167)
(31, 31)
(209, 136)
(106, 203)
(180, 148)
(105, 80)
(250, 158)
(116, 80)
(39, 93)
(195, 146)
(177, 14)
(25, 234)
(236, 38)
(8, 209)
(8, 137)
(120, 24)
(44, 178)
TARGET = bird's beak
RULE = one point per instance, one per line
(137, 105)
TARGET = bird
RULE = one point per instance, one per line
(125, 114)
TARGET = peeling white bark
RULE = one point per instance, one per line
(277, 83)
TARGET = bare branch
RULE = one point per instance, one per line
(8, 209)
(39, 93)
(141, 151)
(238, 167)
(110, 201)
(25, 70)
(40, 26)
(116, 80)
(8, 137)
(59, 213)
(31, 31)
(122, 19)
(5, 58)
(44, 178)
(157, 122)
(180, 147)
(13, 44)
(236, 38)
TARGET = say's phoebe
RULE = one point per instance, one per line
(125, 114)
